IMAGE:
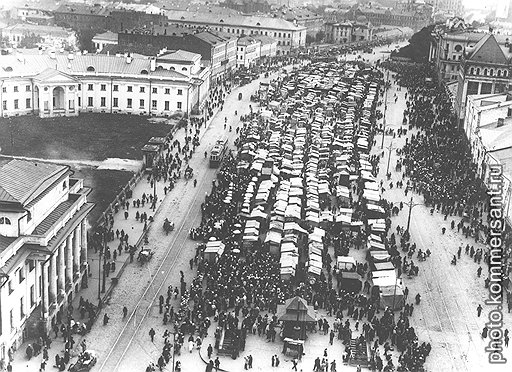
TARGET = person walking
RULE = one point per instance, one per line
(217, 363)
(294, 367)
(105, 319)
(210, 351)
(479, 310)
(152, 334)
(479, 271)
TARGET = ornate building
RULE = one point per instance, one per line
(485, 68)
(43, 247)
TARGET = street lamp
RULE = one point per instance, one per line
(411, 205)
(385, 109)
(390, 148)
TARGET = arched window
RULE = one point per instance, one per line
(472, 71)
(5, 221)
(144, 72)
(505, 73)
(499, 73)
(478, 70)
(458, 48)
(491, 72)
(485, 72)
(90, 69)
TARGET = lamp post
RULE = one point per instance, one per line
(390, 148)
(385, 109)
(411, 205)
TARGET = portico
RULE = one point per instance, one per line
(56, 94)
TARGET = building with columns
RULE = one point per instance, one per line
(485, 68)
(53, 84)
(43, 247)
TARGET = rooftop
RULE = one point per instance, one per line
(76, 8)
(106, 36)
(77, 64)
(45, 225)
(214, 37)
(496, 138)
(22, 180)
(37, 29)
(232, 20)
(180, 55)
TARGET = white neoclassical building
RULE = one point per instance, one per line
(52, 84)
(43, 246)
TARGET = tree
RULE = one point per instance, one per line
(309, 39)
(419, 45)
(30, 41)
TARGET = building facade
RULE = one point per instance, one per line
(289, 36)
(106, 38)
(248, 52)
(347, 32)
(43, 247)
(42, 35)
(65, 85)
(83, 17)
(485, 69)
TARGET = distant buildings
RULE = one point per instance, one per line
(82, 17)
(19, 35)
(415, 19)
(248, 51)
(247, 6)
(34, 15)
(43, 247)
(106, 38)
(65, 85)
(347, 32)
(288, 35)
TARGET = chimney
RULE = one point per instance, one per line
(129, 59)
(501, 122)
(152, 63)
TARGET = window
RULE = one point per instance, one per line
(90, 101)
(155, 90)
(130, 88)
(4, 89)
(167, 91)
(116, 102)
(64, 185)
(31, 265)
(116, 88)
(22, 308)
(103, 101)
(71, 104)
(142, 89)
(103, 87)
(27, 103)
(79, 101)
(9, 286)
(16, 104)
(79, 86)
(4, 105)
(179, 105)
(153, 104)
(15, 89)
(27, 88)
(180, 92)
(129, 103)
(141, 103)
(11, 319)
(32, 296)
(90, 87)
(21, 275)
(5, 221)
(166, 105)
(29, 216)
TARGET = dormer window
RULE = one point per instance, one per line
(90, 69)
(8, 69)
(5, 221)
(184, 69)
(144, 72)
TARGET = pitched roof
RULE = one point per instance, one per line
(51, 74)
(89, 64)
(22, 180)
(232, 20)
(180, 55)
(487, 50)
